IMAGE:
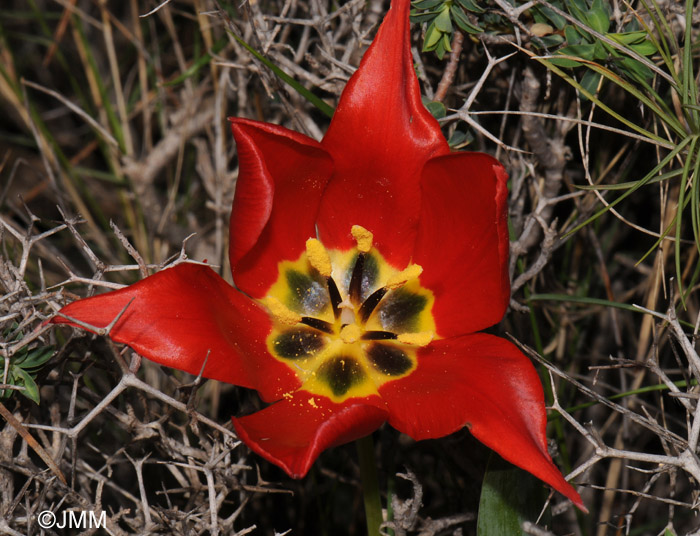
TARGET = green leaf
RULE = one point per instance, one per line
(573, 37)
(563, 62)
(443, 21)
(458, 139)
(440, 47)
(552, 17)
(471, 6)
(446, 42)
(36, 358)
(645, 48)
(585, 51)
(578, 9)
(590, 81)
(31, 391)
(552, 65)
(426, 4)
(509, 497)
(421, 18)
(628, 38)
(432, 37)
(637, 70)
(463, 22)
(551, 41)
(437, 109)
(601, 51)
(598, 17)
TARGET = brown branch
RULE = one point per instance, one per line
(451, 69)
(12, 420)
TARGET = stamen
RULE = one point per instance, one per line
(378, 335)
(281, 312)
(355, 288)
(424, 338)
(371, 303)
(363, 237)
(317, 323)
(347, 313)
(318, 257)
(334, 294)
(399, 279)
(350, 333)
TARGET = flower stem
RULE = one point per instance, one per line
(370, 484)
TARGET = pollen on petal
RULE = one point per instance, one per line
(298, 343)
(280, 312)
(363, 237)
(399, 279)
(350, 333)
(423, 338)
(318, 257)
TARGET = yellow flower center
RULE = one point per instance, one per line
(347, 321)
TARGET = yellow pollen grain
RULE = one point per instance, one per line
(363, 237)
(280, 312)
(350, 333)
(416, 339)
(400, 279)
(318, 257)
(312, 402)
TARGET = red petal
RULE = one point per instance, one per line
(483, 382)
(294, 431)
(380, 137)
(180, 315)
(280, 180)
(462, 241)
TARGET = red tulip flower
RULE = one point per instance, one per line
(365, 266)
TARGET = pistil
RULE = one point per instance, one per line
(347, 313)
(350, 333)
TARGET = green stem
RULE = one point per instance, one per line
(370, 484)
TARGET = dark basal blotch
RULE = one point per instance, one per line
(309, 295)
(399, 311)
(341, 373)
(389, 359)
(299, 343)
